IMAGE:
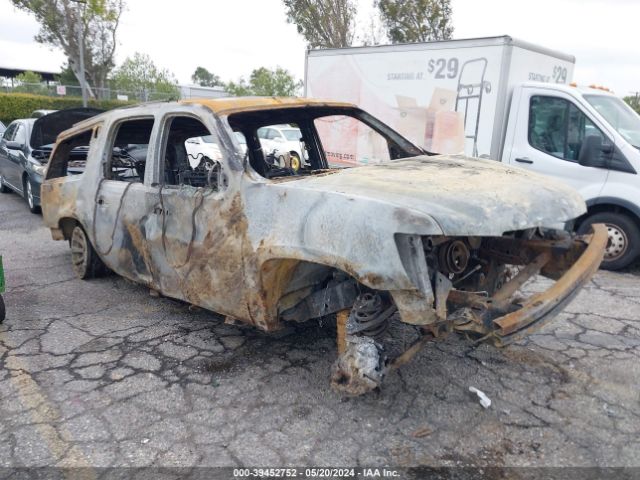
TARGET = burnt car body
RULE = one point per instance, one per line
(443, 243)
(25, 148)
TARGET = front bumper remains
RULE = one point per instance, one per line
(502, 319)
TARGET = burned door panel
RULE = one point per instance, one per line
(117, 237)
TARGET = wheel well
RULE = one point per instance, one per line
(67, 225)
(607, 208)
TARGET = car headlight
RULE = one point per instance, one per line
(40, 169)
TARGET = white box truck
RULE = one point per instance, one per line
(504, 99)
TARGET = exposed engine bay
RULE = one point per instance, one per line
(476, 284)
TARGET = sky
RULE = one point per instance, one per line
(231, 38)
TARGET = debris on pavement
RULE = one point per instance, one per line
(484, 400)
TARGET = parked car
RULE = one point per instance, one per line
(25, 147)
(42, 113)
(442, 241)
(283, 139)
(241, 142)
(200, 147)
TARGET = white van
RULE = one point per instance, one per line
(504, 99)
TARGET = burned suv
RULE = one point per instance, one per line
(371, 229)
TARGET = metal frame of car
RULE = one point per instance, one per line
(182, 241)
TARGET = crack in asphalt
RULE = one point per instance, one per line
(98, 373)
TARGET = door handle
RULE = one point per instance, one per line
(524, 160)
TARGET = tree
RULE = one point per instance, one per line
(142, 77)
(205, 78)
(410, 21)
(66, 76)
(634, 102)
(30, 82)
(323, 23)
(59, 21)
(266, 83)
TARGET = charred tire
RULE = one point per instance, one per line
(84, 259)
(28, 196)
(4, 188)
(624, 238)
(3, 311)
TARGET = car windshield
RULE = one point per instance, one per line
(619, 115)
(292, 135)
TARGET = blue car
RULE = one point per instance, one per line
(25, 148)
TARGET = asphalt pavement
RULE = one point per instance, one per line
(100, 374)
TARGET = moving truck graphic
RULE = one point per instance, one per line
(497, 98)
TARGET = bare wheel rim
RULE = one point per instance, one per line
(79, 251)
(29, 194)
(295, 162)
(617, 244)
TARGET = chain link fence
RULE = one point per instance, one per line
(62, 91)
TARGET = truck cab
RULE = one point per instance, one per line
(590, 139)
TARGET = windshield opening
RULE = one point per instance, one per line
(619, 115)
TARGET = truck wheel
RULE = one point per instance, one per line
(84, 260)
(624, 238)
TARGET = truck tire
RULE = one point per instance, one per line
(84, 259)
(624, 238)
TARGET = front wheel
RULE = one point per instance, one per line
(624, 238)
(295, 162)
(84, 259)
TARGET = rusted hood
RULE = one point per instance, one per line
(465, 196)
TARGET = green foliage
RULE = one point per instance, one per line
(59, 21)
(141, 76)
(323, 23)
(66, 76)
(409, 21)
(30, 82)
(20, 105)
(634, 102)
(266, 83)
(205, 78)
(29, 77)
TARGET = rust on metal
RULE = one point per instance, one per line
(341, 326)
(444, 243)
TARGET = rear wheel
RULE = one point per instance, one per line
(4, 188)
(624, 238)
(28, 195)
(84, 260)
